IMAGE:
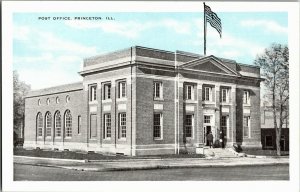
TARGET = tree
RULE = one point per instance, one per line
(20, 90)
(274, 63)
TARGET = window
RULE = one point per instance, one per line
(39, 120)
(93, 125)
(67, 98)
(246, 97)
(122, 125)
(224, 97)
(224, 125)
(39, 102)
(207, 94)
(107, 126)
(48, 101)
(57, 124)
(269, 141)
(157, 126)
(189, 122)
(48, 124)
(107, 91)
(122, 89)
(79, 125)
(189, 94)
(206, 119)
(246, 125)
(157, 90)
(57, 100)
(93, 92)
(68, 123)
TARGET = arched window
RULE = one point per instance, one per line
(57, 124)
(67, 98)
(48, 101)
(48, 119)
(39, 124)
(68, 123)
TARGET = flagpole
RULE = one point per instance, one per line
(204, 22)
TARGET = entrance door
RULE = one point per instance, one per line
(282, 143)
(208, 130)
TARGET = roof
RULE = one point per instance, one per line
(56, 89)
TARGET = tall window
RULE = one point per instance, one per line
(206, 119)
(207, 94)
(39, 120)
(157, 126)
(224, 124)
(68, 123)
(57, 124)
(122, 89)
(79, 125)
(107, 91)
(224, 97)
(93, 92)
(269, 141)
(122, 125)
(189, 93)
(107, 126)
(246, 97)
(48, 124)
(157, 90)
(189, 125)
(246, 126)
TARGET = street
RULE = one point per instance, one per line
(38, 173)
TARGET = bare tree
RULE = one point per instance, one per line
(274, 63)
(20, 90)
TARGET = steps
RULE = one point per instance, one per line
(219, 153)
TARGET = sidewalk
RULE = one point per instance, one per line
(142, 164)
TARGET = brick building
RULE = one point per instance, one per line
(142, 101)
(268, 134)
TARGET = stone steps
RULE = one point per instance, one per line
(219, 152)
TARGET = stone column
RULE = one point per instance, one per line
(199, 113)
(218, 112)
(233, 115)
(99, 112)
(181, 115)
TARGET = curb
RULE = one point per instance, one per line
(155, 167)
(50, 159)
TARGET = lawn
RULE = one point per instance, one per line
(91, 156)
(264, 152)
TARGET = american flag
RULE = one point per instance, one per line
(213, 19)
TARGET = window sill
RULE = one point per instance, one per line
(158, 138)
(107, 101)
(107, 139)
(48, 137)
(225, 103)
(246, 105)
(121, 99)
(209, 102)
(191, 101)
(58, 137)
(158, 99)
(122, 139)
(68, 137)
(93, 102)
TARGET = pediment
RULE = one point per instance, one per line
(209, 64)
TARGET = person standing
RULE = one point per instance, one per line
(222, 139)
(210, 139)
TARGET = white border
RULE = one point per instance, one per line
(9, 8)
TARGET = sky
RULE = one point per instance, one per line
(51, 52)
